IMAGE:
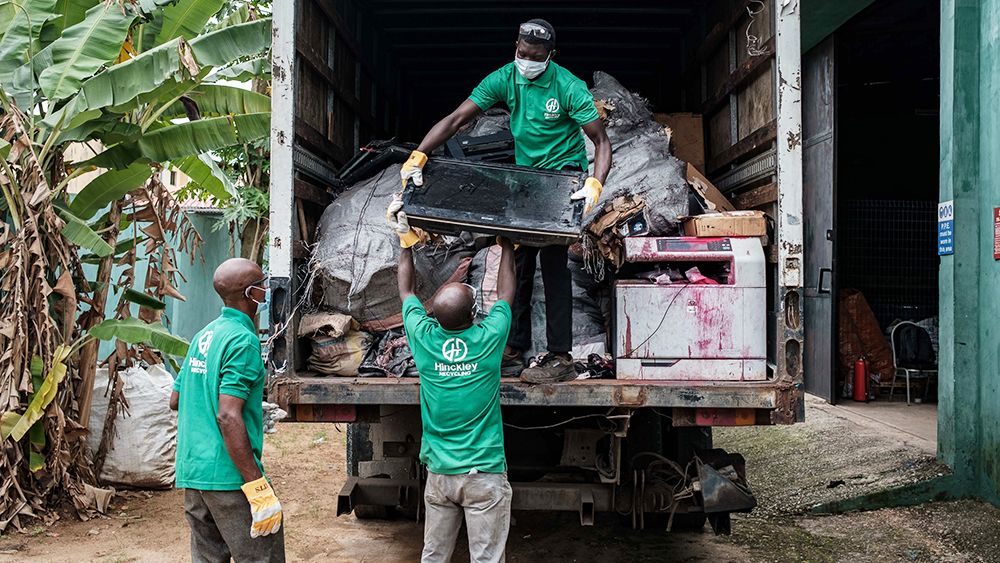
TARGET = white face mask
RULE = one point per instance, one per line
(531, 69)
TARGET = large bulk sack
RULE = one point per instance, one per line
(641, 161)
(145, 442)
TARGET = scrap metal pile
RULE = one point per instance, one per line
(354, 260)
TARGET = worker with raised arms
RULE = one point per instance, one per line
(458, 361)
(548, 107)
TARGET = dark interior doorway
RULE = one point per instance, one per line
(886, 194)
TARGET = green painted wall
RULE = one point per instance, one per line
(203, 304)
(969, 397)
(185, 318)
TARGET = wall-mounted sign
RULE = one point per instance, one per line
(946, 228)
(996, 233)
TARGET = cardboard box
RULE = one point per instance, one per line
(688, 136)
(709, 197)
(726, 224)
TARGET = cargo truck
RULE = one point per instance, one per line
(347, 72)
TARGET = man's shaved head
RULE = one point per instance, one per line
(453, 306)
(232, 278)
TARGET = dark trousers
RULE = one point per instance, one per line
(558, 298)
(220, 530)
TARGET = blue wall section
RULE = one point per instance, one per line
(186, 318)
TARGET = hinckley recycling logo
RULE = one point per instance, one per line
(552, 109)
(205, 342)
(199, 365)
(454, 350)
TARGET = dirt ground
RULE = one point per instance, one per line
(791, 469)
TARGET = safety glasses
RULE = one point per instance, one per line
(262, 284)
(535, 30)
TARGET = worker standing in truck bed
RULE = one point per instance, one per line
(548, 106)
(462, 442)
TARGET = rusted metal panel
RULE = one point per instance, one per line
(789, 216)
(589, 393)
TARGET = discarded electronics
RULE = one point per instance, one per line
(692, 310)
(527, 205)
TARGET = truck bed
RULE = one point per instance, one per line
(780, 398)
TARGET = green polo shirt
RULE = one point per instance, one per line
(459, 389)
(224, 358)
(545, 114)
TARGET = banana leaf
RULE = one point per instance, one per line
(40, 401)
(135, 331)
(215, 100)
(186, 139)
(71, 12)
(82, 235)
(207, 175)
(121, 247)
(21, 39)
(229, 44)
(121, 83)
(6, 16)
(143, 299)
(109, 186)
(84, 48)
(243, 71)
(187, 18)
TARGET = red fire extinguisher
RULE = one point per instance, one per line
(860, 391)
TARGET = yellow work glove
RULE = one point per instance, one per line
(413, 168)
(264, 508)
(396, 217)
(590, 193)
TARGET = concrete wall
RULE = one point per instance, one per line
(969, 409)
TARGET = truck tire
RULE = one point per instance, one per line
(371, 512)
(645, 434)
(656, 433)
(680, 445)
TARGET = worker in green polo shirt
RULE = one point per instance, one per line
(548, 107)
(462, 438)
(229, 503)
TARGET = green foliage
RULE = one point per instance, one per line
(121, 76)
(187, 19)
(135, 331)
(108, 187)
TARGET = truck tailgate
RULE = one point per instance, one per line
(779, 397)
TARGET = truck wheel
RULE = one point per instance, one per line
(687, 522)
(371, 512)
(680, 444)
(644, 435)
(691, 522)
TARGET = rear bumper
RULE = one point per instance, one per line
(784, 400)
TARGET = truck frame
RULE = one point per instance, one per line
(669, 418)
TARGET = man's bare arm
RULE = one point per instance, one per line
(405, 275)
(448, 126)
(506, 277)
(234, 435)
(602, 149)
(175, 399)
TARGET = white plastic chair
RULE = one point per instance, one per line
(908, 372)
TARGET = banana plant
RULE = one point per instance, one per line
(139, 83)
